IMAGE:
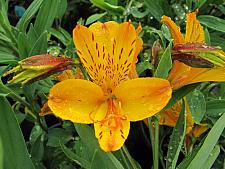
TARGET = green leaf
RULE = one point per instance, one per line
(118, 10)
(27, 16)
(56, 134)
(61, 8)
(154, 8)
(177, 138)
(14, 149)
(212, 158)
(71, 155)
(23, 45)
(138, 14)
(94, 18)
(165, 63)
(40, 46)
(37, 149)
(215, 107)
(201, 157)
(142, 66)
(197, 105)
(59, 35)
(200, 3)
(106, 160)
(212, 22)
(179, 94)
(1, 153)
(46, 16)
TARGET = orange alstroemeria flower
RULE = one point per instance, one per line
(111, 100)
(170, 117)
(182, 74)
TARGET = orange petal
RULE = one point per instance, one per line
(199, 129)
(174, 30)
(170, 116)
(66, 74)
(110, 131)
(75, 100)
(143, 97)
(194, 30)
(182, 75)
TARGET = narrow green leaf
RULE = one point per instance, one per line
(215, 107)
(177, 138)
(94, 18)
(14, 150)
(200, 3)
(212, 157)
(107, 160)
(23, 45)
(59, 35)
(61, 8)
(37, 149)
(142, 66)
(118, 10)
(71, 155)
(179, 94)
(165, 63)
(213, 22)
(154, 8)
(46, 16)
(208, 145)
(40, 46)
(1, 153)
(27, 16)
(197, 105)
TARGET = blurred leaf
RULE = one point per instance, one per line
(212, 157)
(105, 160)
(94, 18)
(40, 46)
(15, 150)
(215, 107)
(204, 152)
(200, 3)
(1, 153)
(62, 6)
(37, 149)
(213, 22)
(46, 16)
(222, 8)
(27, 16)
(117, 10)
(197, 105)
(177, 138)
(56, 134)
(71, 155)
(138, 14)
(155, 9)
(142, 66)
(165, 63)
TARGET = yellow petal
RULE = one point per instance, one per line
(107, 61)
(143, 97)
(111, 131)
(194, 30)
(182, 75)
(75, 100)
(174, 30)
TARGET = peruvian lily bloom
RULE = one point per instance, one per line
(190, 51)
(111, 100)
(170, 117)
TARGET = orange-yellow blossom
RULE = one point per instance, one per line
(170, 117)
(182, 74)
(111, 100)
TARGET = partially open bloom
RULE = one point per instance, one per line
(190, 52)
(111, 101)
(170, 117)
(38, 67)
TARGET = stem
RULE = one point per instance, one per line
(154, 137)
(129, 157)
(127, 8)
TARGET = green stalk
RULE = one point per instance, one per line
(154, 137)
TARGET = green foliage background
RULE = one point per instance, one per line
(46, 27)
